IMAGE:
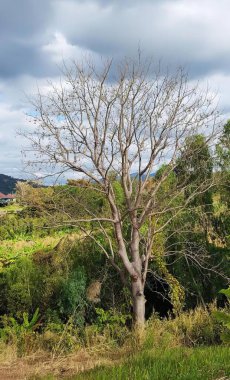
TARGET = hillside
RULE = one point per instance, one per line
(7, 184)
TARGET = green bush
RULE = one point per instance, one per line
(72, 297)
(23, 286)
(113, 324)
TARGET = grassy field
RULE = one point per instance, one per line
(209, 363)
(175, 363)
(11, 249)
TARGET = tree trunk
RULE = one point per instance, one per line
(137, 283)
(138, 302)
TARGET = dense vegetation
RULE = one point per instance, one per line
(59, 294)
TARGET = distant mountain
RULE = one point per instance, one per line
(136, 175)
(8, 184)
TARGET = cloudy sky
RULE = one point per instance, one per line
(36, 35)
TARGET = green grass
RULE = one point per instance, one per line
(11, 207)
(209, 363)
(10, 250)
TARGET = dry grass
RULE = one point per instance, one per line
(100, 350)
(40, 364)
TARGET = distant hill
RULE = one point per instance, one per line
(135, 175)
(8, 184)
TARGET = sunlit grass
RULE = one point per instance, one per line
(11, 249)
(209, 363)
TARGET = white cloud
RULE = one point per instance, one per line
(59, 49)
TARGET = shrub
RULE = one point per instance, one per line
(192, 328)
(196, 327)
(224, 318)
(60, 338)
(158, 334)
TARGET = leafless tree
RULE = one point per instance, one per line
(126, 119)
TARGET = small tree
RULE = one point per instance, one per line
(125, 122)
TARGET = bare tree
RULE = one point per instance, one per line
(128, 119)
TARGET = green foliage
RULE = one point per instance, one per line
(23, 283)
(110, 317)
(21, 333)
(23, 226)
(72, 298)
(223, 149)
(61, 337)
(78, 199)
(110, 326)
(195, 163)
(192, 235)
(12, 325)
(226, 292)
(194, 167)
(192, 328)
(47, 280)
(159, 263)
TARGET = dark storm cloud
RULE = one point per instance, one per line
(194, 33)
(23, 17)
(20, 58)
(23, 26)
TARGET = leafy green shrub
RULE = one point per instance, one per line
(50, 280)
(21, 333)
(113, 324)
(110, 317)
(23, 286)
(72, 297)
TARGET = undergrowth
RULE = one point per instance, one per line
(185, 348)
